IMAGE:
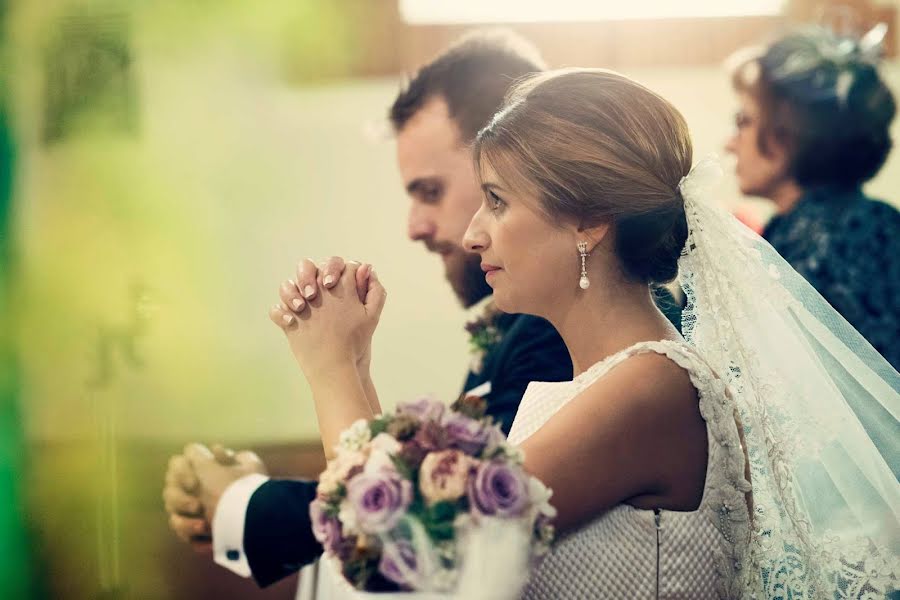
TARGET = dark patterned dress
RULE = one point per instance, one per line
(848, 247)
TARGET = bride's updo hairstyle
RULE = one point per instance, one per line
(597, 147)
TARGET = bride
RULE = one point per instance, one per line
(589, 201)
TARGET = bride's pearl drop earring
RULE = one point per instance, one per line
(584, 283)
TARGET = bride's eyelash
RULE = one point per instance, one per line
(495, 202)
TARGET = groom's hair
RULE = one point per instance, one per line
(472, 76)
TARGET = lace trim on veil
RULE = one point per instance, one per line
(742, 298)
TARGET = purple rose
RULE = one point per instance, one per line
(326, 529)
(412, 453)
(379, 499)
(399, 564)
(499, 490)
(424, 409)
(431, 437)
(465, 433)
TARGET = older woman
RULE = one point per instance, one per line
(812, 128)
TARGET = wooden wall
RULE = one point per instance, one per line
(392, 46)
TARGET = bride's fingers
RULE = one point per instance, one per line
(362, 282)
(376, 296)
(290, 296)
(307, 274)
(331, 270)
(348, 281)
(280, 315)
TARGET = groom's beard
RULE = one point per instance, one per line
(463, 270)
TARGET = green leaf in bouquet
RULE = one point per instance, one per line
(403, 469)
(441, 531)
(439, 519)
(332, 508)
(443, 511)
(417, 508)
(379, 425)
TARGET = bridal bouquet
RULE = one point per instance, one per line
(408, 495)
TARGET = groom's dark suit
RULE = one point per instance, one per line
(278, 537)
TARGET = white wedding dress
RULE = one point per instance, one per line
(627, 552)
(632, 553)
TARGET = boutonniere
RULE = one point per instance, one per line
(484, 335)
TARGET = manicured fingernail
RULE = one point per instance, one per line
(288, 319)
(309, 291)
(298, 303)
(329, 279)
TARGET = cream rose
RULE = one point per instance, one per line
(338, 469)
(443, 475)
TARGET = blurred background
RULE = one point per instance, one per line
(163, 165)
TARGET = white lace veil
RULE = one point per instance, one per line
(819, 407)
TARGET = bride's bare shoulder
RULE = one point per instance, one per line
(650, 379)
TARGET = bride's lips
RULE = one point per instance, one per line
(489, 270)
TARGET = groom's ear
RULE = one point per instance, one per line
(594, 234)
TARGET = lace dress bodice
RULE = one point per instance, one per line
(633, 553)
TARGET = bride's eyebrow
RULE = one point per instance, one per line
(488, 186)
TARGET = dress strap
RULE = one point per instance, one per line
(726, 494)
(679, 352)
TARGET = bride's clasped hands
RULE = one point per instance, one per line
(329, 313)
(333, 324)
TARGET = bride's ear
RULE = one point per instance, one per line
(594, 234)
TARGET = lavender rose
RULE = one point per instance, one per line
(498, 490)
(326, 529)
(465, 433)
(424, 409)
(399, 564)
(379, 499)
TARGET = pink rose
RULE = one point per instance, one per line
(443, 475)
(339, 470)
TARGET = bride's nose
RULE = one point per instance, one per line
(476, 238)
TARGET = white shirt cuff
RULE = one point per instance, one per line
(228, 524)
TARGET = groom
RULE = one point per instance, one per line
(260, 526)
